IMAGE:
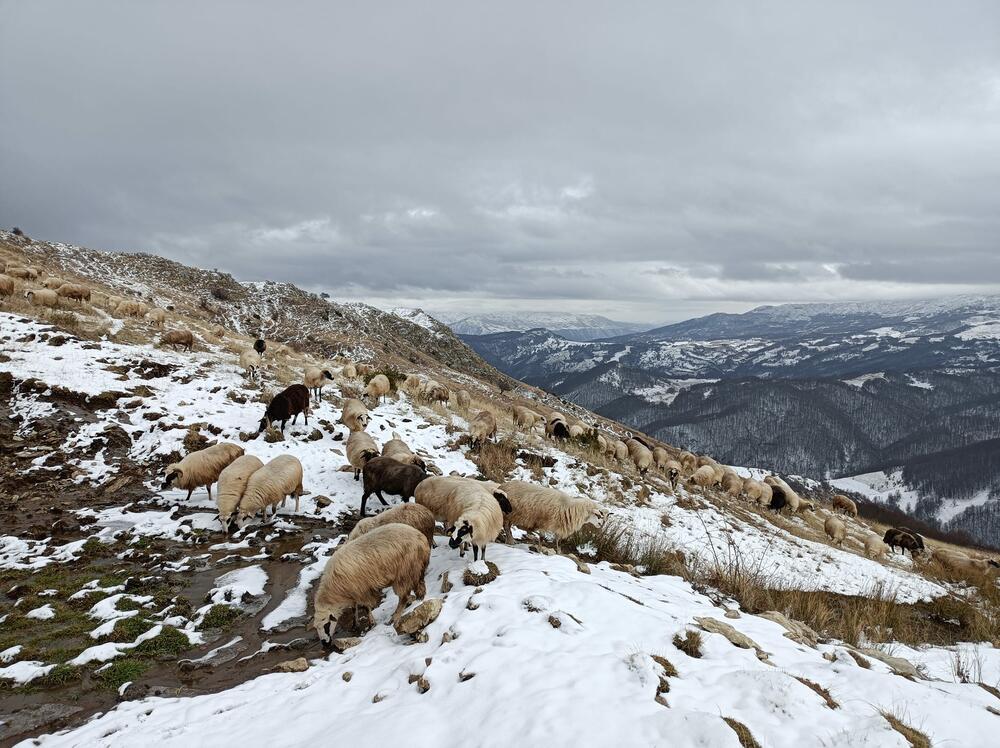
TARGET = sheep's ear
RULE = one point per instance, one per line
(503, 501)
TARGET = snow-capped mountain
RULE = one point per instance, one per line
(820, 389)
(570, 326)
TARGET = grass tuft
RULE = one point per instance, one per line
(689, 644)
(913, 736)
(822, 692)
(220, 617)
(743, 733)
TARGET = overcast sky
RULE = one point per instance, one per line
(648, 161)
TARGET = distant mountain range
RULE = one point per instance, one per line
(579, 327)
(906, 389)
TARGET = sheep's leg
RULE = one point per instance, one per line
(209, 489)
(378, 492)
(296, 502)
(404, 597)
(475, 553)
(190, 491)
(507, 533)
(357, 473)
(558, 549)
(295, 418)
(364, 501)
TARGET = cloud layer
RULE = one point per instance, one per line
(648, 162)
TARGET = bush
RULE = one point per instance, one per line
(220, 293)
(394, 375)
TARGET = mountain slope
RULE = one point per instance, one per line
(581, 327)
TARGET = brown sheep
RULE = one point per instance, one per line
(843, 504)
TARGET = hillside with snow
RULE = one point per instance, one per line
(691, 617)
(580, 327)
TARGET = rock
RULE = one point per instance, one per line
(31, 718)
(420, 617)
(445, 584)
(554, 622)
(315, 435)
(298, 665)
(580, 565)
(273, 435)
(322, 501)
(732, 613)
(57, 340)
(736, 638)
(899, 665)
(472, 579)
(794, 630)
(193, 441)
(344, 643)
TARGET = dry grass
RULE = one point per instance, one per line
(689, 644)
(914, 737)
(822, 692)
(496, 460)
(861, 660)
(743, 733)
(618, 542)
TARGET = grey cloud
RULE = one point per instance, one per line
(518, 154)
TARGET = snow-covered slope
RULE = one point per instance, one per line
(567, 325)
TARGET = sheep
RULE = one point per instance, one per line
(640, 455)
(480, 517)
(393, 555)
(792, 500)
(349, 371)
(414, 515)
(621, 450)
(438, 493)
(576, 431)
(355, 415)
(843, 504)
(955, 561)
(6, 285)
(157, 316)
(75, 291)
(732, 484)
(435, 392)
(201, 468)
(703, 477)
(544, 509)
(389, 475)
(753, 489)
(260, 346)
(42, 298)
(270, 485)
(660, 457)
(525, 418)
(365, 370)
(377, 388)
(53, 282)
(360, 449)
(463, 400)
(99, 298)
(895, 536)
(315, 378)
(412, 384)
(672, 469)
(482, 427)
(836, 530)
(174, 338)
(23, 273)
(916, 536)
(556, 426)
(398, 450)
(132, 308)
(286, 404)
(250, 361)
(688, 461)
(874, 547)
(232, 484)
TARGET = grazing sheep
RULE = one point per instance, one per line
(398, 450)
(157, 316)
(349, 371)
(360, 449)
(389, 475)
(412, 384)
(959, 562)
(377, 388)
(732, 484)
(896, 536)
(916, 536)
(393, 555)
(6, 285)
(75, 291)
(439, 494)
(174, 338)
(23, 273)
(688, 461)
(414, 515)
(355, 415)
(556, 426)
(792, 500)
(271, 485)
(463, 400)
(480, 517)
(435, 392)
(315, 378)
(660, 457)
(836, 530)
(874, 547)
(703, 477)
(640, 455)
(132, 308)
(53, 282)
(621, 450)
(482, 427)
(765, 495)
(672, 469)
(232, 485)
(42, 298)
(250, 361)
(544, 509)
(525, 418)
(201, 468)
(843, 504)
(576, 431)
(286, 404)
(260, 345)
(365, 370)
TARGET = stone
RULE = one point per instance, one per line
(298, 665)
(736, 638)
(732, 613)
(344, 643)
(420, 617)
(322, 501)
(899, 665)
(794, 630)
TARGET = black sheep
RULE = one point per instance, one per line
(560, 430)
(907, 540)
(778, 499)
(916, 536)
(285, 405)
(389, 475)
(260, 346)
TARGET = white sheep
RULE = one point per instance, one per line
(355, 415)
(438, 493)
(640, 455)
(843, 504)
(201, 468)
(271, 485)
(398, 450)
(836, 530)
(250, 361)
(732, 484)
(793, 501)
(76, 291)
(378, 388)
(315, 378)
(6, 285)
(42, 297)
(875, 547)
(157, 316)
(480, 518)
(463, 400)
(393, 555)
(660, 457)
(672, 469)
(360, 448)
(175, 338)
(955, 561)
(232, 484)
(544, 509)
(689, 462)
(525, 418)
(416, 516)
(482, 427)
(435, 392)
(621, 450)
(53, 282)
(23, 273)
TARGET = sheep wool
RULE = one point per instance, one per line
(843, 504)
(621, 450)
(315, 378)
(874, 547)
(482, 427)
(541, 508)
(416, 516)
(250, 361)
(202, 468)
(175, 338)
(704, 477)
(377, 388)
(270, 485)
(440, 495)
(360, 448)
(525, 418)
(157, 316)
(42, 298)
(660, 457)
(232, 485)
(640, 455)
(398, 450)
(76, 291)
(688, 461)
(355, 415)
(480, 518)
(6, 285)
(463, 399)
(836, 530)
(393, 555)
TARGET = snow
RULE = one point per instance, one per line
(860, 382)
(44, 613)
(24, 671)
(232, 585)
(10, 653)
(914, 382)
